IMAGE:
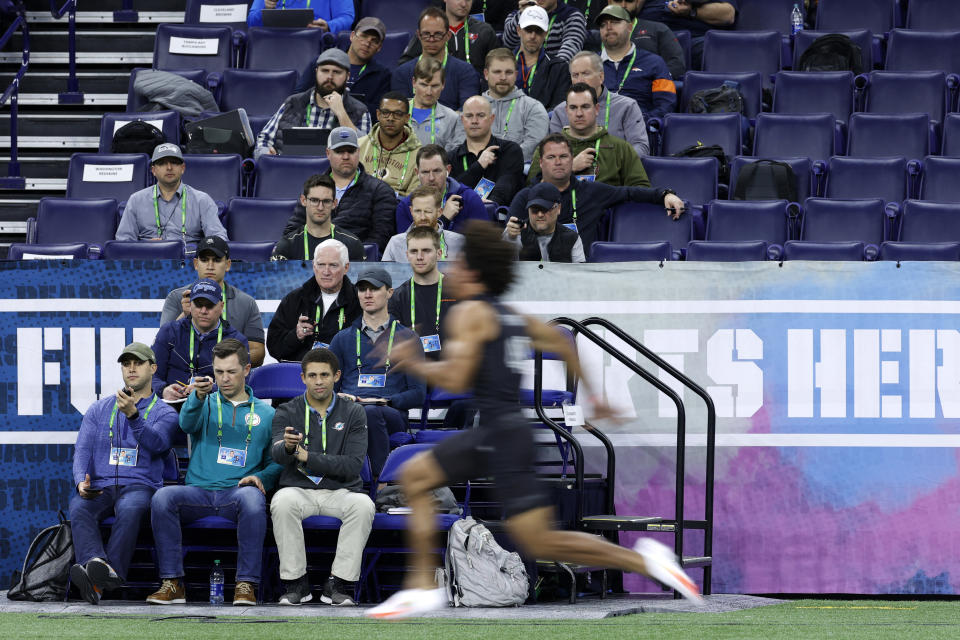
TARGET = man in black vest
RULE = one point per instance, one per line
(325, 106)
(539, 237)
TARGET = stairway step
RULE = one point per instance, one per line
(39, 167)
(52, 131)
(142, 58)
(696, 561)
(621, 523)
(88, 41)
(14, 213)
(105, 99)
(47, 82)
(101, 17)
(115, 5)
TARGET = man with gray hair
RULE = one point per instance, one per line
(309, 317)
(620, 115)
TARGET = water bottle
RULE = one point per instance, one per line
(216, 584)
(796, 20)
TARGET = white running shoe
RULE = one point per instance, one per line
(409, 602)
(662, 566)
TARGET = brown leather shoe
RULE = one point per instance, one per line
(245, 594)
(171, 592)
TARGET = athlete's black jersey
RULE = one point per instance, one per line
(496, 387)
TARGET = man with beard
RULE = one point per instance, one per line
(325, 106)
(517, 117)
(654, 37)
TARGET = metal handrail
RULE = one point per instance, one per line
(12, 93)
(72, 95)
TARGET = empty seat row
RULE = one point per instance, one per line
(757, 250)
(837, 15)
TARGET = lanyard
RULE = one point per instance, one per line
(309, 111)
(113, 416)
(284, 5)
(183, 212)
(528, 76)
(306, 426)
(193, 331)
(506, 121)
(220, 422)
(606, 115)
(223, 290)
(306, 245)
(316, 319)
(626, 74)
(393, 327)
(466, 38)
(413, 308)
(596, 157)
(376, 165)
(573, 197)
(433, 121)
(360, 73)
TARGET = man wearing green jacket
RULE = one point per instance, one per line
(597, 155)
(230, 471)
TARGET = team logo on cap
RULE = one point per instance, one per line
(338, 427)
(209, 240)
(252, 419)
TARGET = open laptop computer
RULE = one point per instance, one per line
(305, 141)
(287, 18)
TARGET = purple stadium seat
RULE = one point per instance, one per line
(167, 121)
(951, 135)
(742, 51)
(257, 219)
(681, 130)
(946, 251)
(933, 15)
(736, 220)
(764, 15)
(884, 178)
(115, 175)
(133, 104)
(371, 252)
(801, 135)
(216, 43)
(939, 181)
(277, 381)
(803, 250)
(630, 251)
(929, 222)
(218, 13)
(61, 220)
(640, 222)
(251, 251)
(837, 15)
(805, 92)
(907, 92)
(397, 15)
(695, 179)
(735, 251)
(259, 93)
(870, 50)
(283, 176)
(923, 51)
(121, 250)
(685, 40)
(60, 251)
(751, 87)
(826, 220)
(874, 135)
(802, 168)
(282, 49)
(219, 175)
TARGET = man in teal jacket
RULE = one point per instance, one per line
(229, 474)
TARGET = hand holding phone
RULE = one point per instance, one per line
(291, 439)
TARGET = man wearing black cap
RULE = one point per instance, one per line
(363, 348)
(239, 308)
(169, 210)
(325, 106)
(184, 348)
(369, 79)
(539, 237)
(117, 466)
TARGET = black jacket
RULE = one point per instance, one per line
(290, 247)
(551, 81)
(366, 210)
(483, 40)
(282, 342)
(370, 86)
(506, 172)
(346, 446)
(559, 249)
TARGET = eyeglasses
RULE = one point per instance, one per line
(318, 202)
(390, 115)
(432, 36)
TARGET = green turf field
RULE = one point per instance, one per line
(865, 619)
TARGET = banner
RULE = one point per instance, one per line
(836, 387)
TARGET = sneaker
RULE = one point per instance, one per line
(244, 594)
(298, 591)
(103, 575)
(335, 592)
(82, 581)
(662, 566)
(408, 603)
(171, 592)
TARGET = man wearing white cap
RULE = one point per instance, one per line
(566, 29)
(539, 75)
(170, 209)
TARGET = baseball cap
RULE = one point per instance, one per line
(342, 137)
(534, 17)
(334, 56)
(377, 277)
(613, 11)
(139, 351)
(215, 245)
(372, 24)
(167, 150)
(544, 196)
(207, 289)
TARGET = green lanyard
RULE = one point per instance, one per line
(183, 212)
(360, 73)
(606, 115)
(316, 319)
(573, 198)
(413, 308)
(306, 245)
(626, 74)
(284, 5)
(309, 112)
(113, 416)
(223, 290)
(393, 327)
(220, 422)
(376, 165)
(528, 80)
(193, 331)
(506, 120)
(433, 123)
(596, 157)
(466, 38)
(306, 426)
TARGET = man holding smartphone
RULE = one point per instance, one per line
(117, 466)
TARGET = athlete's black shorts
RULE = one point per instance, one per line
(504, 453)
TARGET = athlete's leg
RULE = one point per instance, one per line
(420, 476)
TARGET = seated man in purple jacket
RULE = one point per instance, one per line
(117, 466)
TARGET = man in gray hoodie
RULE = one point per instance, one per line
(517, 117)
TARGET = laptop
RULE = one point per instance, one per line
(305, 141)
(287, 18)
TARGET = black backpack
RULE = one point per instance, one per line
(723, 99)
(832, 52)
(766, 180)
(701, 150)
(136, 137)
(46, 566)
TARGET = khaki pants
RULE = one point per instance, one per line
(291, 505)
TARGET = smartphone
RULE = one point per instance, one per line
(128, 391)
(296, 433)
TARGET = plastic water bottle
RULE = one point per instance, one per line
(216, 584)
(796, 20)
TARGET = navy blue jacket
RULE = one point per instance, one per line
(462, 82)
(473, 209)
(172, 348)
(371, 84)
(648, 81)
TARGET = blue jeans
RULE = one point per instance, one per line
(128, 503)
(381, 422)
(174, 505)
